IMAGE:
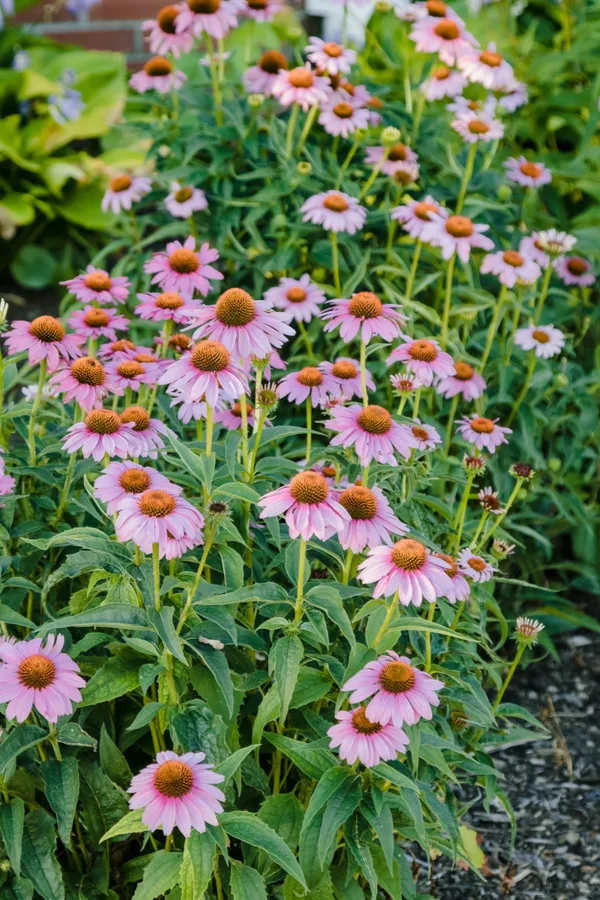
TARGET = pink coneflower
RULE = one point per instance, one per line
(334, 211)
(460, 586)
(129, 373)
(158, 75)
(445, 36)
(34, 675)
(425, 358)
(488, 500)
(526, 173)
(486, 67)
(370, 742)
(417, 213)
(122, 349)
(437, 9)
(407, 11)
(456, 234)
(96, 285)
(102, 433)
(84, 380)
(147, 432)
(405, 384)
(371, 431)
(574, 270)
(188, 410)
(530, 248)
(120, 480)
(421, 436)
(443, 82)
(399, 159)
(259, 79)
(160, 517)
(461, 105)
(163, 35)
(478, 128)
(343, 118)
(475, 567)
(182, 269)
(215, 17)
(7, 484)
(405, 567)
(544, 340)
(95, 323)
(184, 201)
(554, 242)
(484, 433)
(330, 57)
(260, 10)
(123, 191)
(168, 306)
(310, 507)
(177, 792)
(372, 521)
(365, 315)
(300, 85)
(346, 375)
(203, 372)
(231, 416)
(299, 298)
(43, 338)
(309, 382)
(402, 693)
(510, 267)
(466, 382)
(514, 96)
(247, 327)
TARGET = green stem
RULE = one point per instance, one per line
(524, 389)
(459, 612)
(306, 339)
(36, 405)
(216, 87)
(54, 741)
(466, 177)
(430, 616)
(335, 263)
(447, 300)
(156, 575)
(402, 403)
(502, 516)
(363, 372)
(514, 324)
(388, 617)
(67, 487)
(261, 422)
(192, 593)
(310, 119)
(493, 327)
(300, 587)
(308, 428)
(509, 676)
(347, 567)
(482, 521)
(349, 158)
(209, 429)
(291, 129)
(244, 411)
(407, 90)
(417, 403)
(376, 170)
(543, 294)
(460, 519)
(413, 271)
(418, 116)
(451, 417)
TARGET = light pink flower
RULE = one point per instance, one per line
(484, 433)
(456, 234)
(463, 105)
(168, 306)
(188, 410)
(163, 35)
(247, 327)
(466, 382)
(400, 158)
(231, 416)
(529, 174)
(7, 486)
(574, 270)
(407, 11)
(447, 37)
(408, 568)
(443, 82)
(182, 269)
(425, 358)
(309, 383)
(335, 211)
(93, 322)
(343, 118)
(544, 340)
(177, 792)
(122, 349)
(97, 285)
(300, 85)
(372, 521)
(259, 79)
(421, 436)
(34, 675)
(120, 480)
(401, 693)
(310, 507)
(530, 248)
(146, 431)
(514, 96)
(299, 298)
(43, 338)
(488, 500)
(371, 431)
(346, 375)
(184, 201)
(129, 373)
(474, 128)
(405, 383)
(415, 214)
(102, 433)
(510, 267)
(486, 67)
(554, 242)
(215, 17)
(123, 191)
(84, 380)
(330, 57)
(370, 742)
(365, 315)
(160, 517)
(158, 75)
(261, 10)
(460, 586)
(203, 372)
(475, 567)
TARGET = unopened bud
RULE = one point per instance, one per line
(256, 100)
(304, 168)
(390, 136)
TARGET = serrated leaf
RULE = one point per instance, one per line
(116, 677)
(284, 814)
(216, 662)
(160, 875)
(285, 658)
(313, 761)
(39, 861)
(112, 760)
(229, 767)
(111, 615)
(61, 779)
(246, 883)
(162, 622)
(197, 865)
(19, 739)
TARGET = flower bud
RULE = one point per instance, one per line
(390, 136)
(256, 100)
(304, 168)
(504, 193)
(554, 464)
(522, 470)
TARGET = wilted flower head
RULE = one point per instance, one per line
(528, 630)
(553, 242)
(476, 464)
(501, 548)
(488, 500)
(522, 470)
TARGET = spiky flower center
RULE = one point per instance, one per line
(158, 66)
(490, 501)
(328, 471)
(332, 49)
(121, 346)
(169, 300)
(361, 724)
(145, 358)
(459, 226)
(96, 318)
(436, 8)
(47, 329)
(204, 7)
(179, 342)
(120, 183)
(97, 281)
(184, 261)
(343, 111)
(257, 4)
(130, 368)
(336, 203)
(272, 61)
(476, 126)
(296, 295)
(36, 671)
(236, 409)
(522, 470)
(309, 487)
(235, 308)
(397, 677)
(103, 421)
(542, 337)
(210, 356)
(184, 194)
(481, 425)
(477, 563)
(344, 369)
(464, 372)
(375, 103)
(88, 370)
(421, 434)
(173, 778)
(491, 59)
(453, 570)
(409, 554)
(360, 502)
(531, 169)
(137, 415)
(512, 258)
(441, 73)
(309, 376)
(423, 351)
(157, 503)
(374, 420)
(301, 77)
(365, 305)
(398, 153)
(447, 29)
(423, 209)
(166, 19)
(577, 266)
(134, 481)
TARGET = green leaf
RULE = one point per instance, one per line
(414, 623)
(112, 760)
(313, 761)
(19, 739)
(326, 788)
(162, 622)
(328, 599)
(61, 779)
(130, 823)
(189, 459)
(116, 677)
(146, 714)
(104, 804)
(73, 735)
(11, 617)
(160, 875)
(238, 491)
(12, 820)
(390, 774)
(216, 662)
(112, 615)
(285, 658)
(246, 827)
(284, 814)
(198, 728)
(229, 767)
(340, 806)
(33, 266)
(197, 865)
(39, 861)
(246, 883)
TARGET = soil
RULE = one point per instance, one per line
(554, 788)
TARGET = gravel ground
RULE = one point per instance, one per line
(554, 787)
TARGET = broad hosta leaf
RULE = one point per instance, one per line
(197, 865)
(160, 875)
(246, 883)
(39, 861)
(61, 780)
(12, 820)
(250, 829)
